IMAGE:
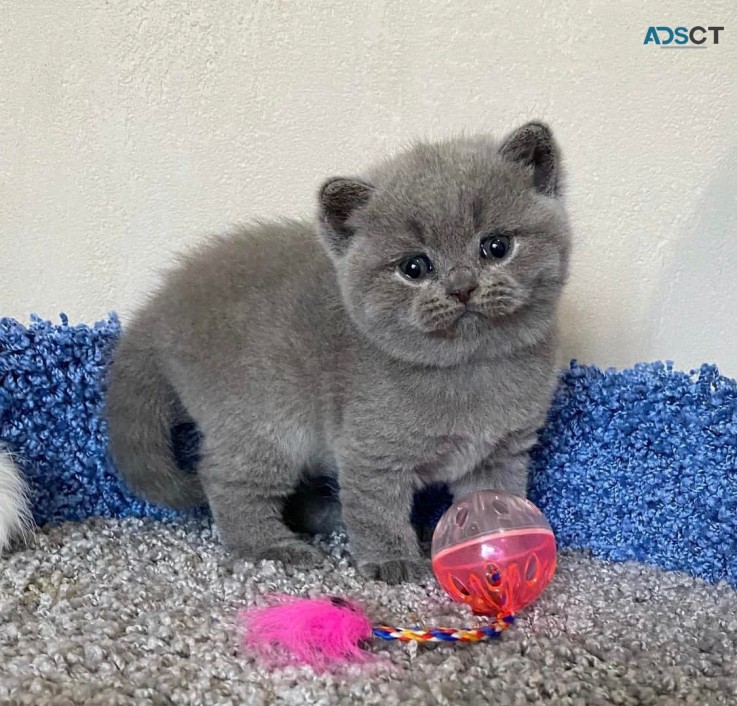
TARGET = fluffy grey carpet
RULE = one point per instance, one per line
(136, 612)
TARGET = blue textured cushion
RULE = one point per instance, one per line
(634, 465)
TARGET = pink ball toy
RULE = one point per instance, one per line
(494, 551)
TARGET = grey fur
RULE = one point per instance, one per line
(297, 348)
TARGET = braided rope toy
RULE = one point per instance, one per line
(480, 634)
(493, 551)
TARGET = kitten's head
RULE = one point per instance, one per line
(453, 250)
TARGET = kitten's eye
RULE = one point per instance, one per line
(416, 267)
(495, 247)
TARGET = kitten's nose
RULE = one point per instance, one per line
(461, 284)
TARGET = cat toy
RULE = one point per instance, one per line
(493, 551)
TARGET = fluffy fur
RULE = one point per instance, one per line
(15, 515)
(301, 349)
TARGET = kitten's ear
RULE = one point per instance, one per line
(534, 147)
(339, 198)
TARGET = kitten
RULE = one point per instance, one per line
(407, 338)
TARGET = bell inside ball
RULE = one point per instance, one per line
(494, 551)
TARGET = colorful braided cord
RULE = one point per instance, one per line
(487, 632)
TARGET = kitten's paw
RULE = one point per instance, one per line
(395, 571)
(294, 554)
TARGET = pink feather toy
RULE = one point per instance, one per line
(321, 632)
(327, 633)
(493, 551)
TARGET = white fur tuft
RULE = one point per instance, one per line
(15, 513)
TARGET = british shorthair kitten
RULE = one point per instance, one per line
(406, 337)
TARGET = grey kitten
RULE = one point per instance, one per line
(408, 338)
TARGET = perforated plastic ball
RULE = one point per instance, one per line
(494, 551)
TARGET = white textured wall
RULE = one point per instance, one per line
(129, 129)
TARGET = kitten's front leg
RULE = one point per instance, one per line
(376, 511)
(506, 468)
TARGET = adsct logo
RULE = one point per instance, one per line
(683, 37)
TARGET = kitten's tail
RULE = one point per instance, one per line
(140, 412)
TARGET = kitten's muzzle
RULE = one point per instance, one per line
(461, 284)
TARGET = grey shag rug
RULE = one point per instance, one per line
(139, 612)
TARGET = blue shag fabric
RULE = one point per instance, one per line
(52, 386)
(633, 465)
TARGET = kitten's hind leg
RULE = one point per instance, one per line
(247, 484)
